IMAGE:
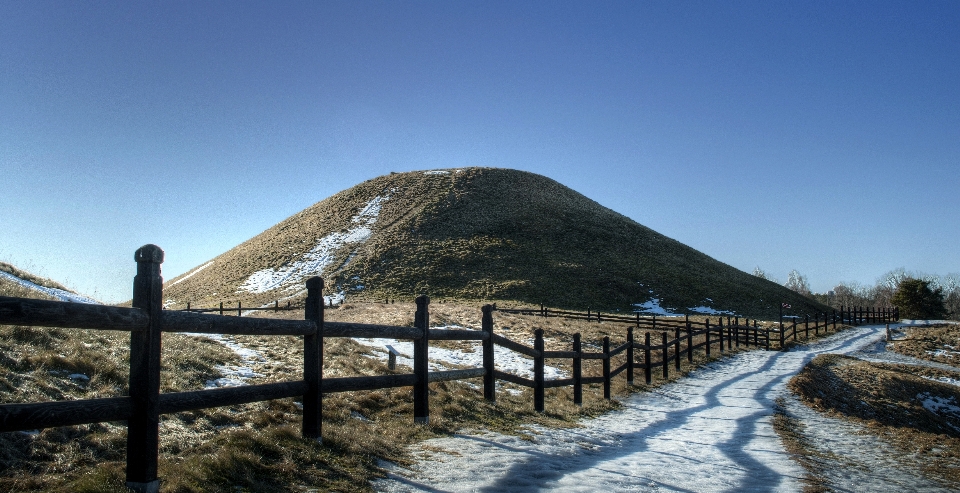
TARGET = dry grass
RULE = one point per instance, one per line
(885, 398)
(940, 343)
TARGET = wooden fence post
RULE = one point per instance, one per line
(606, 367)
(629, 355)
(666, 356)
(538, 371)
(736, 331)
(720, 332)
(782, 342)
(313, 362)
(706, 324)
(834, 320)
(421, 397)
(676, 347)
(577, 372)
(689, 340)
(221, 308)
(239, 306)
(489, 382)
(646, 359)
(143, 427)
(806, 326)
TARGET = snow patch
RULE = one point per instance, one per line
(59, 294)
(653, 307)
(445, 359)
(943, 406)
(320, 256)
(188, 276)
(437, 172)
(710, 311)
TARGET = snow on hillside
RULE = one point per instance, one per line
(652, 307)
(56, 293)
(320, 256)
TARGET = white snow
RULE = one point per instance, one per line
(939, 405)
(78, 376)
(195, 271)
(437, 172)
(320, 256)
(233, 375)
(710, 311)
(652, 307)
(708, 432)
(56, 293)
(445, 359)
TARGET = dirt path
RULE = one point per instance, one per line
(710, 431)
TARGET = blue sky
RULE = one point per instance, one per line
(818, 136)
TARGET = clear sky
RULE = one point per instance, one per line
(818, 136)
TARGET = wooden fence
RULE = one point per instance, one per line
(146, 320)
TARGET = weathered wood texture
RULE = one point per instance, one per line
(43, 313)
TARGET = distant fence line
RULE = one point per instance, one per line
(146, 320)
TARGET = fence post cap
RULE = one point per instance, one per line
(487, 308)
(315, 282)
(149, 253)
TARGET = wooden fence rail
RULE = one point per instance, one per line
(146, 320)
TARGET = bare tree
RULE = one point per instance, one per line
(761, 274)
(798, 282)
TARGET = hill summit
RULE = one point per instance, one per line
(477, 234)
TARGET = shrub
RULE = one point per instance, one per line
(916, 299)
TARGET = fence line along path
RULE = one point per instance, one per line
(664, 344)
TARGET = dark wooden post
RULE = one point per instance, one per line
(143, 427)
(489, 382)
(794, 328)
(806, 326)
(313, 361)
(629, 355)
(276, 306)
(666, 356)
(676, 347)
(689, 340)
(221, 308)
(188, 306)
(647, 371)
(720, 332)
(736, 331)
(606, 367)
(834, 320)
(538, 371)
(782, 342)
(706, 324)
(577, 372)
(239, 305)
(730, 334)
(421, 398)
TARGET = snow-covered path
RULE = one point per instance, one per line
(710, 431)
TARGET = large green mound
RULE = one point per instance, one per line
(477, 234)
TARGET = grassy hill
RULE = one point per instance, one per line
(477, 234)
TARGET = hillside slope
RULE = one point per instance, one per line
(476, 234)
(20, 283)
